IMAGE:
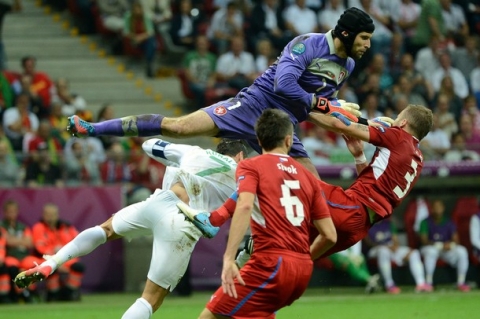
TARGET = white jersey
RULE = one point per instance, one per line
(208, 177)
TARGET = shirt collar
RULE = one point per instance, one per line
(330, 42)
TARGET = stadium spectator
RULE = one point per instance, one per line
(18, 122)
(10, 172)
(266, 21)
(454, 101)
(35, 103)
(352, 261)
(226, 24)
(427, 59)
(41, 171)
(172, 248)
(299, 19)
(460, 85)
(430, 25)
(475, 234)
(112, 13)
(49, 235)
(472, 137)
(139, 30)
(406, 19)
(458, 152)
(184, 26)
(159, 10)
(319, 145)
(237, 66)
(44, 135)
(383, 35)
(41, 84)
(376, 66)
(370, 106)
(445, 119)
(71, 103)
(80, 168)
(58, 122)
(439, 239)
(92, 145)
(4, 277)
(199, 66)
(470, 108)
(405, 87)
(19, 249)
(265, 55)
(415, 78)
(454, 19)
(475, 80)
(328, 16)
(436, 143)
(465, 57)
(384, 246)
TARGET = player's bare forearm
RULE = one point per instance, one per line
(239, 225)
(333, 124)
(325, 240)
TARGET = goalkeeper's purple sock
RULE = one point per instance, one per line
(133, 125)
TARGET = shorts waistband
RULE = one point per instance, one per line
(283, 252)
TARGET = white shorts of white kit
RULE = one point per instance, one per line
(173, 237)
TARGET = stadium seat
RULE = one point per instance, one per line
(464, 208)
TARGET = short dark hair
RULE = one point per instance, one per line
(27, 58)
(272, 127)
(231, 147)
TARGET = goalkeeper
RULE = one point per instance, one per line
(305, 78)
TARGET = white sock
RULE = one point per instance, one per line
(84, 243)
(416, 267)
(385, 266)
(141, 309)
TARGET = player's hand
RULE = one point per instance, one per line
(230, 271)
(338, 108)
(354, 145)
(383, 121)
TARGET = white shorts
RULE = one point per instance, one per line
(397, 256)
(173, 237)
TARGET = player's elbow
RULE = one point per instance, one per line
(282, 85)
(330, 237)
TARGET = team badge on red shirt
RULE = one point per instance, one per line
(220, 110)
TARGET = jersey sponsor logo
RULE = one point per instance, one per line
(291, 169)
(220, 110)
(298, 48)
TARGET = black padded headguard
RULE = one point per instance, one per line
(352, 21)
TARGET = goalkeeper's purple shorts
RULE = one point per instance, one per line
(236, 119)
(273, 280)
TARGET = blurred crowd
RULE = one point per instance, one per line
(423, 52)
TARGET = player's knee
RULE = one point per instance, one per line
(383, 251)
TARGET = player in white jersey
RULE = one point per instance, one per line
(203, 178)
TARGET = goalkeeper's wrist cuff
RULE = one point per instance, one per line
(360, 159)
(363, 121)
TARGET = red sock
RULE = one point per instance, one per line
(219, 216)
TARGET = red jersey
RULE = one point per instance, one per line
(289, 200)
(392, 173)
(48, 241)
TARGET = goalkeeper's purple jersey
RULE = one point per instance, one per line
(308, 65)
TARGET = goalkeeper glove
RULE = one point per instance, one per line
(383, 121)
(345, 111)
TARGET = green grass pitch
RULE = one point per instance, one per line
(335, 303)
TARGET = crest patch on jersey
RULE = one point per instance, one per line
(220, 110)
(298, 48)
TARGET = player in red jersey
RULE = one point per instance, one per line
(290, 201)
(381, 185)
